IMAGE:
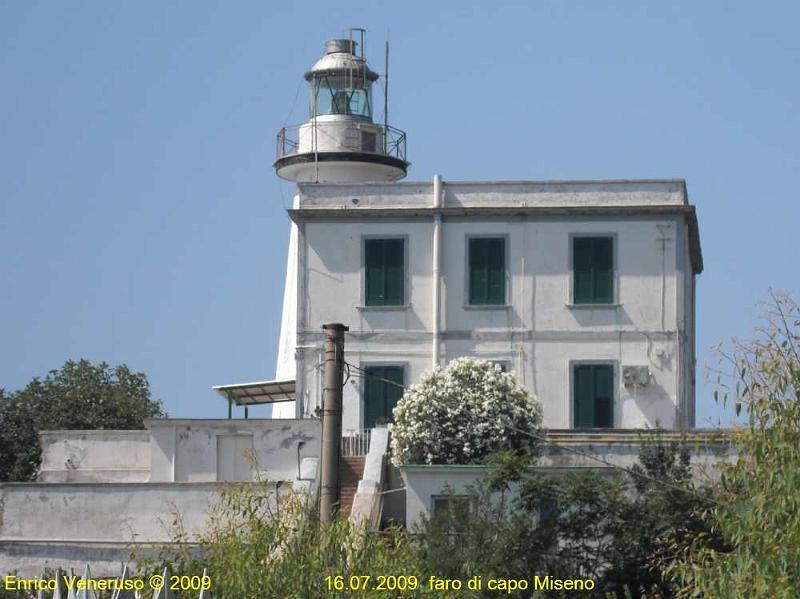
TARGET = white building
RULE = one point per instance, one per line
(584, 289)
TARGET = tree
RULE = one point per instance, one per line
(462, 414)
(661, 501)
(80, 395)
(605, 525)
(758, 512)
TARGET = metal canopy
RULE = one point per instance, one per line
(264, 392)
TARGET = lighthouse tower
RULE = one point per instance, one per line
(340, 142)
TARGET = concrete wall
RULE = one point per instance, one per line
(424, 482)
(94, 456)
(46, 524)
(569, 451)
(578, 449)
(185, 450)
(368, 500)
(102, 512)
(539, 333)
(68, 525)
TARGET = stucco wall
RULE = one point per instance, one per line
(539, 333)
(572, 194)
(94, 456)
(424, 482)
(102, 512)
(68, 525)
(185, 450)
(46, 524)
(567, 452)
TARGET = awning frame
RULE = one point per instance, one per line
(257, 393)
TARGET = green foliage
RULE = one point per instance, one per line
(462, 414)
(758, 514)
(258, 547)
(516, 522)
(80, 395)
(519, 522)
(661, 501)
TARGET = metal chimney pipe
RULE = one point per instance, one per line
(331, 421)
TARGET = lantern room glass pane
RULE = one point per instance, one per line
(341, 94)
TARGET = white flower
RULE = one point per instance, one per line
(459, 415)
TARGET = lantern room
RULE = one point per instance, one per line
(340, 143)
(341, 82)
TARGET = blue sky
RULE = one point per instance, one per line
(141, 220)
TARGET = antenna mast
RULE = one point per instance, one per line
(386, 101)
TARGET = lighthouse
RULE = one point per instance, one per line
(340, 142)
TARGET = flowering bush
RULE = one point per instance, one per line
(463, 413)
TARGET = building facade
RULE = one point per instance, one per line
(584, 289)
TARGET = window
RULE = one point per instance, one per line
(547, 512)
(340, 94)
(593, 270)
(452, 511)
(593, 387)
(384, 270)
(381, 393)
(368, 141)
(487, 271)
(503, 364)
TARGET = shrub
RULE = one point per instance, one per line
(758, 510)
(462, 414)
(260, 545)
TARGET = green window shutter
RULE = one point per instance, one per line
(582, 269)
(477, 271)
(603, 396)
(603, 270)
(381, 397)
(374, 272)
(496, 275)
(593, 388)
(373, 395)
(394, 256)
(393, 393)
(584, 392)
(487, 271)
(384, 266)
(593, 270)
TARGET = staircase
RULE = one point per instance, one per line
(351, 469)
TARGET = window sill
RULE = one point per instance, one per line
(383, 308)
(487, 307)
(593, 306)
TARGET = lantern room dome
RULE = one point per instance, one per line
(340, 142)
(340, 60)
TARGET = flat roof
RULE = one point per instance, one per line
(261, 392)
(613, 198)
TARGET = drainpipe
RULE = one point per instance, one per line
(299, 447)
(174, 452)
(437, 259)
